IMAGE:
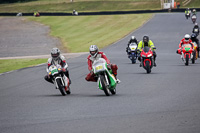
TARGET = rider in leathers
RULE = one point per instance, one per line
(96, 54)
(196, 29)
(149, 43)
(185, 40)
(195, 39)
(57, 58)
(132, 40)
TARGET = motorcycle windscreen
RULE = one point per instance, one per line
(146, 49)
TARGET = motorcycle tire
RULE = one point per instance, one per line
(194, 56)
(113, 91)
(105, 87)
(61, 87)
(69, 91)
(148, 68)
(187, 60)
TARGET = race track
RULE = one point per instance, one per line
(165, 101)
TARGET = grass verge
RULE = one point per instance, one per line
(81, 6)
(77, 33)
(14, 64)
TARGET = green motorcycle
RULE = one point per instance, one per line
(106, 80)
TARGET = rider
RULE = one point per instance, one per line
(195, 39)
(96, 54)
(196, 29)
(132, 40)
(185, 40)
(149, 43)
(194, 11)
(57, 58)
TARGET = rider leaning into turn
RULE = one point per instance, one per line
(94, 55)
(57, 58)
(149, 43)
(185, 40)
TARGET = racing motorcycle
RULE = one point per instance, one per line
(59, 79)
(106, 80)
(132, 52)
(196, 31)
(187, 15)
(146, 57)
(187, 54)
(195, 50)
(194, 18)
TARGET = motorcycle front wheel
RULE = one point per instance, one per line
(148, 67)
(105, 87)
(61, 87)
(187, 60)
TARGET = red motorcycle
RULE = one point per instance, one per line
(187, 54)
(147, 58)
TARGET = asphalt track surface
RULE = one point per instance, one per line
(165, 101)
(20, 37)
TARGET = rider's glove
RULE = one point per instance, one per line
(109, 66)
(63, 70)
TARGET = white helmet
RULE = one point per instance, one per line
(93, 50)
(196, 24)
(55, 53)
(187, 37)
(132, 37)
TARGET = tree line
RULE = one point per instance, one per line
(13, 1)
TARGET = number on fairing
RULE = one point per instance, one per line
(99, 68)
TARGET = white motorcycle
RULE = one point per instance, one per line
(59, 79)
(132, 52)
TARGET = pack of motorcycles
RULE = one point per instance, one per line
(106, 80)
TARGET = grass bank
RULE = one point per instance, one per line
(80, 5)
(14, 64)
(77, 33)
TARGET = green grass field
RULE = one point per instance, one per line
(14, 64)
(80, 5)
(77, 33)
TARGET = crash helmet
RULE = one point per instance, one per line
(93, 50)
(145, 40)
(55, 53)
(194, 10)
(193, 36)
(187, 37)
(196, 24)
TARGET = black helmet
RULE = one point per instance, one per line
(193, 36)
(145, 39)
(55, 53)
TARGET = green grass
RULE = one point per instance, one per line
(80, 5)
(77, 33)
(14, 64)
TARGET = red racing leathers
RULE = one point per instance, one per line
(184, 42)
(91, 76)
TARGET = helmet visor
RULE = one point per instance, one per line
(93, 52)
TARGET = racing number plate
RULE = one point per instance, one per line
(99, 67)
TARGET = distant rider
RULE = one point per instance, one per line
(195, 39)
(132, 40)
(185, 40)
(57, 58)
(194, 12)
(196, 29)
(94, 55)
(149, 43)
